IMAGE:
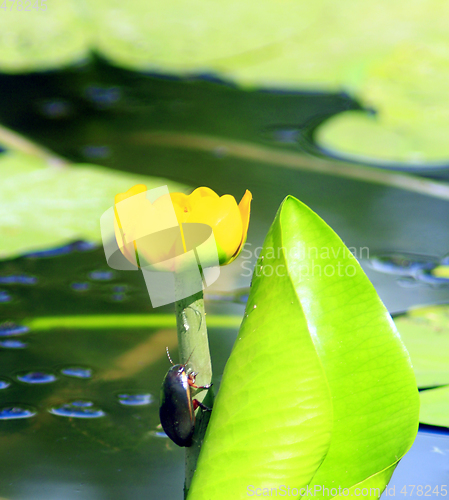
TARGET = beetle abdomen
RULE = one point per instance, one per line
(176, 411)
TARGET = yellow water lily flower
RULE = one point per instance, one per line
(139, 218)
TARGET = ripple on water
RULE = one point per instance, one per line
(135, 399)
(13, 344)
(37, 378)
(15, 412)
(78, 409)
(9, 328)
(77, 372)
(402, 264)
(76, 246)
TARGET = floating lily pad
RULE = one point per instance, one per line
(425, 332)
(38, 35)
(323, 45)
(435, 407)
(408, 90)
(45, 206)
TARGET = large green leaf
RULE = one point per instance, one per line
(425, 332)
(319, 389)
(42, 206)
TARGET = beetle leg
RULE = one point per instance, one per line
(202, 387)
(196, 403)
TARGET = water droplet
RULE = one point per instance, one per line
(9, 328)
(80, 287)
(14, 412)
(20, 279)
(135, 399)
(119, 289)
(77, 372)
(37, 378)
(402, 264)
(220, 151)
(4, 296)
(4, 384)
(254, 306)
(13, 344)
(78, 409)
(101, 275)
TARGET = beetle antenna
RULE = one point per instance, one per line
(188, 359)
(168, 354)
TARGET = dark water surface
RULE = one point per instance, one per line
(79, 397)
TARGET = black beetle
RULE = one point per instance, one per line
(177, 409)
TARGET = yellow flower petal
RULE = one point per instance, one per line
(182, 206)
(223, 215)
(245, 209)
(137, 219)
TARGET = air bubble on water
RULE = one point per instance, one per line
(5, 296)
(103, 96)
(135, 399)
(19, 279)
(15, 412)
(101, 275)
(80, 286)
(77, 372)
(55, 108)
(4, 383)
(9, 328)
(37, 378)
(82, 404)
(77, 409)
(118, 297)
(13, 344)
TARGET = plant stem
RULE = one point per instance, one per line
(194, 347)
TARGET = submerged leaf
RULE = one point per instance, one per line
(425, 332)
(435, 406)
